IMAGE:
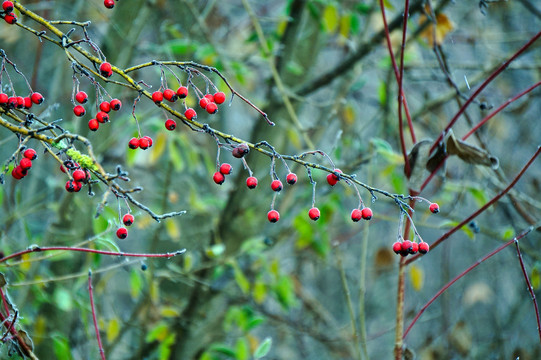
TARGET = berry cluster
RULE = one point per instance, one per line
(408, 247)
(79, 177)
(102, 116)
(143, 142)
(219, 176)
(19, 102)
(9, 16)
(25, 164)
(122, 231)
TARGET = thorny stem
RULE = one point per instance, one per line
(94, 319)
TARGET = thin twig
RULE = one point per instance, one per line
(94, 319)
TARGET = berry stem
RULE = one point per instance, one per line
(94, 319)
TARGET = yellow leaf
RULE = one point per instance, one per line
(188, 261)
(330, 18)
(259, 292)
(294, 138)
(113, 329)
(443, 26)
(169, 311)
(25, 265)
(348, 114)
(345, 25)
(40, 327)
(158, 147)
(416, 277)
(172, 229)
(535, 278)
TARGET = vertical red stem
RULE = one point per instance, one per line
(94, 319)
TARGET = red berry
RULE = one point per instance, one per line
(37, 98)
(182, 92)
(20, 102)
(79, 175)
(149, 139)
(190, 114)
(366, 213)
(25, 163)
(356, 215)
(338, 171)
(218, 178)
(109, 4)
(219, 97)
(105, 106)
(414, 248)
(27, 102)
(240, 150)
(93, 124)
(170, 95)
(12, 102)
(7, 6)
(406, 247)
(203, 102)
(81, 97)
(122, 233)
(331, 179)
(144, 143)
(423, 247)
(4, 99)
(128, 219)
(276, 185)
(397, 247)
(291, 178)
(10, 18)
(434, 208)
(157, 97)
(73, 186)
(251, 182)
(106, 70)
(170, 124)
(212, 108)
(226, 169)
(115, 104)
(79, 110)
(209, 97)
(17, 172)
(102, 117)
(133, 143)
(314, 213)
(30, 154)
(273, 216)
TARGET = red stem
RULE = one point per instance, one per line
(90, 292)
(483, 208)
(462, 274)
(4, 302)
(483, 85)
(67, 248)
(530, 288)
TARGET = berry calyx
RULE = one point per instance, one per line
(25, 163)
(240, 150)
(157, 97)
(7, 6)
(102, 117)
(37, 98)
(133, 143)
(276, 185)
(93, 124)
(218, 178)
(219, 97)
(397, 247)
(434, 208)
(30, 154)
(190, 114)
(226, 169)
(109, 4)
(170, 95)
(423, 247)
(128, 219)
(331, 179)
(79, 110)
(115, 104)
(182, 92)
(366, 213)
(81, 97)
(314, 213)
(356, 215)
(212, 108)
(106, 70)
(273, 216)
(105, 106)
(251, 182)
(79, 175)
(291, 178)
(122, 233)
(170, 124)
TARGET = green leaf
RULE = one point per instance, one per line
(175, 155)
(223, 349)
(508, 233)
(159, 332)
(478, 195)
(180, 46)
(254, 322)
(136, 284)
(284, 291)
(165, 346)
(63, 299)
(464, 228)
(294, 68)
(241, 349)
(61, 348)
(304, 230)
(263, 348)
(241, 280)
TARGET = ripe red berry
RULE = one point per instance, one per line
(116, 104)
(12, 102)
(4, 99)
(397, 247)
(170, 95)
(182, 92)
(314, 213)
(226, 169)
(149, 139)
(106, 70)
(10, 18)
(219, 97)
(105, 106)
(276, 185)
(209, 97)
(157, 97)
(93, 124)
(434, 208)
(27, 102)
(122, 233)
(128, 219)
(79, 175)
(338, 171)
(291, 178)
(20, 102)
(25, 163)
(133, 143)
(366, 213)
(81, 97)
(240, 150)
(212, 108)
(414, 248)
(251, 182)
(73, 186)
(190, 114)
(79, 110)
(144, 143)
(37, 98)
(273, 216)
(423, 247)
(203, 102)
(102, 117)
(356, 215)
(7, 6)
(18, 173)
(406, 247)
(331, 179)
(30, 154)
(109, 4)
(170, 124)
(218, 178)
